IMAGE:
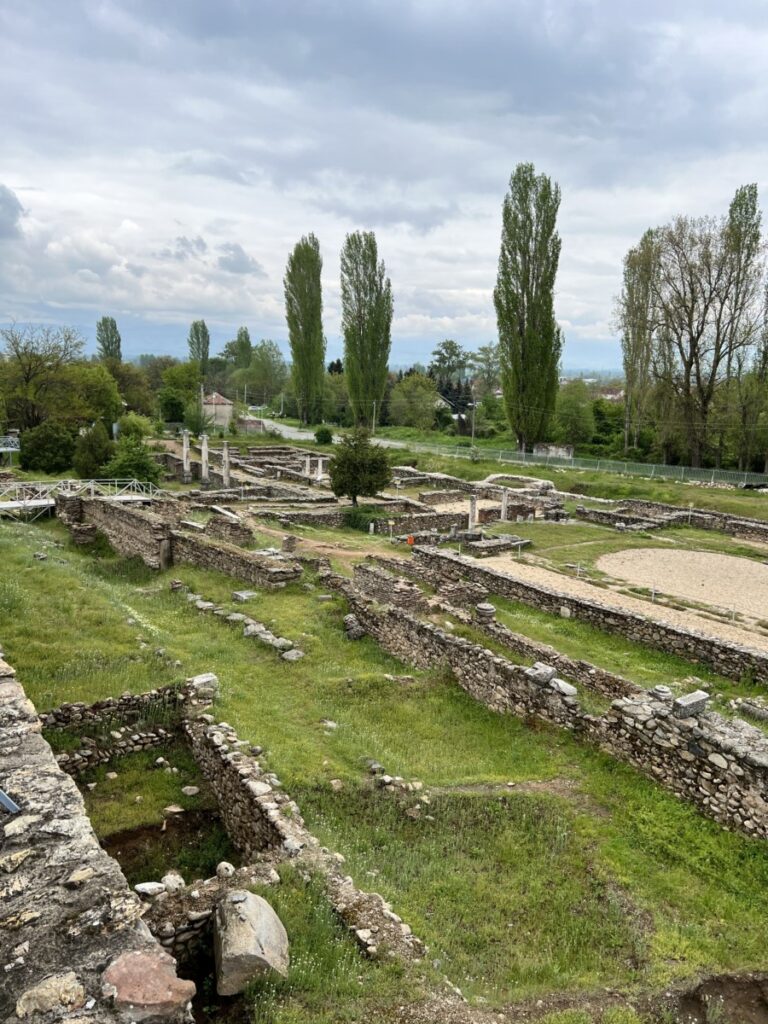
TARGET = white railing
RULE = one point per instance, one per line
(34, 497)
(10, 444)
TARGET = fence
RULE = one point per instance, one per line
(735, 478)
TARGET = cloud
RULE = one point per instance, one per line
(162, 134)
(235, 260)
(11, 212)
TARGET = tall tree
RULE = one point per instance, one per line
(199, 342)
(36, 361)
(707, 298)
(238, 352)
(108, 339)
(265, 375)
(530, 341)
(304, 314)
(449, 360)
(366, 320)
(486, 368)
(634, 317)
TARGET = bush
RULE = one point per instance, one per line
(132, 461)
(48, 448)
(195, 420)
(171, 405)
(360, 517)
(92, 449)
(133, 425)
(324, 435)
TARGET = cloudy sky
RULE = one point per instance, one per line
(159, 160)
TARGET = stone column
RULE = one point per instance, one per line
(186, 474)
(308, 466)
(472, 519)
(319, 470)
(225, 463)
(504, 504)
(204, 475)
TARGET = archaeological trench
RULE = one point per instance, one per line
(79, 944)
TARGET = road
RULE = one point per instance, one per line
(297, 434)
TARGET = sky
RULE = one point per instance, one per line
(159, 161)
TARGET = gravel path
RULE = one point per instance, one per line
(722, 581)
(608, 598)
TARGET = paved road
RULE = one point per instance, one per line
(298, 434)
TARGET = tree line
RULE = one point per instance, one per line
(692, 316)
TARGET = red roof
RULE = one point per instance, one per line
(216, 399)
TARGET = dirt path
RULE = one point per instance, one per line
(688, 620)
(324, 548)
(724, 582)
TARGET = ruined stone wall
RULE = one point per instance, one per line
(131, 531)
(729, 659)
(127, 707)
(222, 528)
(71, 937)
(221, 556)
(745, 527)
(383, 586)
(609, 684)
(720, 765)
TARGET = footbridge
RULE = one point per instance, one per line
(29, 499)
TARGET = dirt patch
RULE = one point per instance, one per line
(192, 843)
(723, 582)
(688, 620)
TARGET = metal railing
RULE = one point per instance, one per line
(641, 469)
(31, 498)
(10, 444)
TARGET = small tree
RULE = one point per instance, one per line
(92, 449)
(358, 468)
(48, 448)
(196, 420)
(171, 405)
(132, 461)
(574, 416)
(413, 402)
(324, 435)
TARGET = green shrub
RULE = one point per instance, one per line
(48, 448)
(324, 435)
(133, 425)
(93, 449)
(359, 517)
(132, 461)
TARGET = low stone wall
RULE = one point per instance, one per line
(727, 658)
(71, 935)
(745, 527)
(220, 556)
(383, 586)
(263, 821)
(95, 752)
(127, 707)
(608, 684)
(720, 765)
(441, 497)
(222, 528)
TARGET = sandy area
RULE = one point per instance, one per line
(582, 588)
(463, 506)
(722, 581)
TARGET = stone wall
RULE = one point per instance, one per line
(721, 765)
(262, 820)
(725, 657)
(222, 528)
(383, 586)
(71, 935)
(220, 556)
(744, 527)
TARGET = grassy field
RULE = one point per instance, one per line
(583, 875)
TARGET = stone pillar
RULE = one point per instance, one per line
(472, 519)
(504, 504)
(225, 463)
(485, 612)
(186, 474)
(319, 470)
(204, 475)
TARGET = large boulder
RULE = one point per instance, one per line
(249, 940)
(143, 986)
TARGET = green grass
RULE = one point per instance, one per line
(618, 884)
(327, 981)
(640, 664)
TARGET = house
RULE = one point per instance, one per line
(219, 409)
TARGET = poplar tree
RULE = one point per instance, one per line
(108, 339)
(199, 342)
(366, 320)
(530, 341)
(304, 315)
(635, 319)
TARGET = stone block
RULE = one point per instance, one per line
(249, 941)
(143, 985)
(690, 705)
